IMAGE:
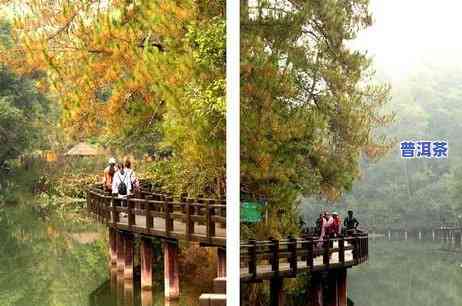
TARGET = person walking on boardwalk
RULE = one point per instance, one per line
(124, 179)
(336, 225)
(350, 223)
(326, 226)
(109, 172)
(122, 184)
(319, 222)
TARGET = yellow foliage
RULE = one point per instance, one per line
(123, 68)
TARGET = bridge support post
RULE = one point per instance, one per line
(120, 245)
(316, 290)
(276, 292)
(332, 289)
(112, 246)
(171, 274)
(337, 288)
(128, 269)
(342, 287)
(146, 263)
(221, 262)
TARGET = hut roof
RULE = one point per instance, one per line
(85, 149)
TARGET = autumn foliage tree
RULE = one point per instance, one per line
(309, 106)
(146, 75)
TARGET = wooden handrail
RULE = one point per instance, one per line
(192, 212)
(299, 254)
(179, 214)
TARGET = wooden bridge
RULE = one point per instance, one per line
(326, 260)
(149, 214)
(160, 215)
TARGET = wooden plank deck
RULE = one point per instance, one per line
(200, 220)
(264, 271)
(204, 221)
(178, 232)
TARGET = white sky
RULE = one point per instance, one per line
(407, 32)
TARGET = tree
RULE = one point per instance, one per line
(146, 75)
(22, 108)
(23, 111)
(420, 192)
(309, 107)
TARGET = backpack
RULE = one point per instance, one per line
(122, 188)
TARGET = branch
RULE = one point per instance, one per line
(63, 28)
(148, 42)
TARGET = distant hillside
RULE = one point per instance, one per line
(394, 191)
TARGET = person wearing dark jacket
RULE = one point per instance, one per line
(350, 223)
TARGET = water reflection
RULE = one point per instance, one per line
(44, 264)
(172, 303)
(408, 273)
(118, 291)
(129, 294)
(451, 246)
(146, 297)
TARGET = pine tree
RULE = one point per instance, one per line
(309, 106)
(143, 75)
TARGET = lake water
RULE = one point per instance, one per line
(408, 273)
(50, 262)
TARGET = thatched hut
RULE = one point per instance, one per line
(85, 149)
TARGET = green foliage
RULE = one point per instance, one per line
(207, 40)
(399, 193)
(309, 105)
(194, 122)
(22, 108)
(143, 77)
(59, 187)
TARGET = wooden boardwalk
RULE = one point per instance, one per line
(265, 260)
(325, 260)
(148, 214)
(177, 230)
(160, 215)
(204, 221)
(264, 271)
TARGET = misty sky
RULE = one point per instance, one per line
(407, 33)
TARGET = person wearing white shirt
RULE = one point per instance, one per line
(124, 174)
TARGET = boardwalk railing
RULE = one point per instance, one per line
(204, 220)
(158, 214)
(286, 258)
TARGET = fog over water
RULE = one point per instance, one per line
(415, 46)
